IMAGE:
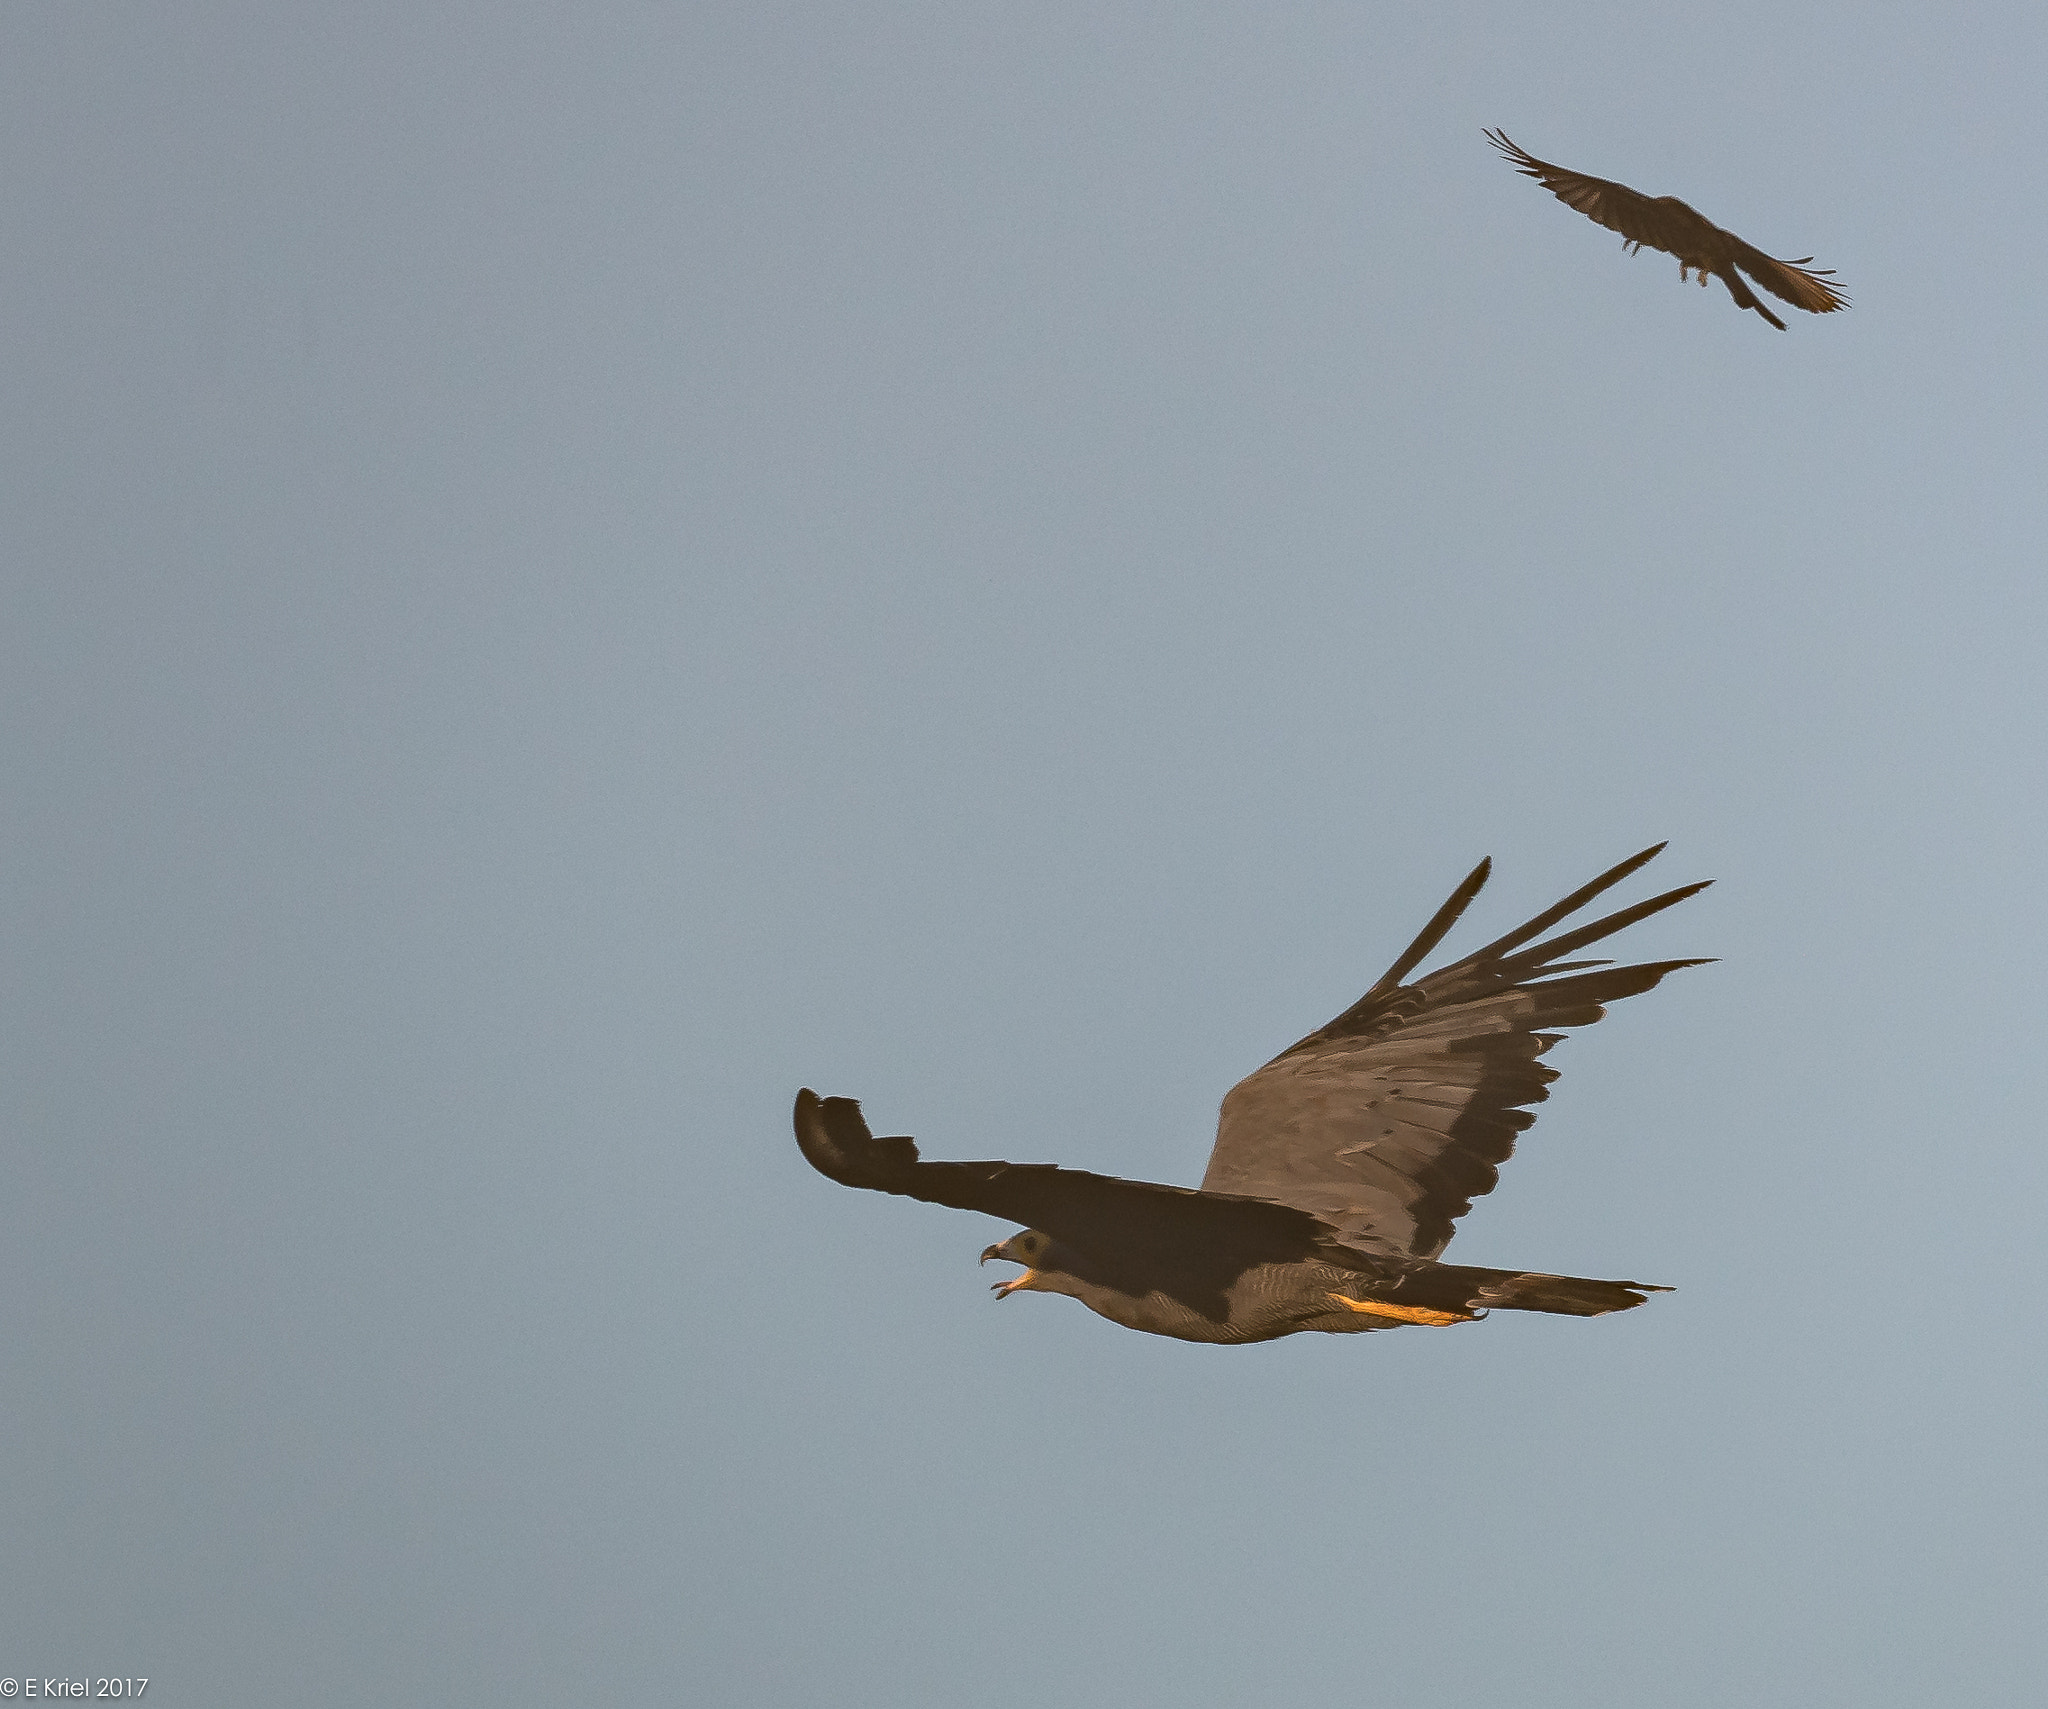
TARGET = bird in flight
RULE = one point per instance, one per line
(1666, 223)
(1339, 1169)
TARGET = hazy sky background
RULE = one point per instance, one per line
(569, 570)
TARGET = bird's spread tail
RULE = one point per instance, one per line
(1569, 1296)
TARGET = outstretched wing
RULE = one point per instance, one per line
(1387, 1123)
(1660, 222)
(1168, 1226)
(1810, 288)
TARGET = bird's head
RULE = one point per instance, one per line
(1031, 1249)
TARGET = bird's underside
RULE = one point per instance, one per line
(1339, 1168)
(1666, 223)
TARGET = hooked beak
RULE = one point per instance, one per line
(1003, 1290)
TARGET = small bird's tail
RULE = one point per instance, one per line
(1569, 1296)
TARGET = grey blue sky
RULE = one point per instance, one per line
(568, 570)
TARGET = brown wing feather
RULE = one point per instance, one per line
(1390, 1121)
(1101, 1213)
(1656, 222)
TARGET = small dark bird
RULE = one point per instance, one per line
(1666, 223)
(1339, 1168)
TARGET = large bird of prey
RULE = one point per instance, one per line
(1666, 223)
(1339, 1168)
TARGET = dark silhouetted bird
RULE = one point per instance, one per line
(1666, 223)
(1339, 1167)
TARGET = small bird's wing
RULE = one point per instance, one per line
(1143, 1220)
(1659, 222)
(1387, 1123)
(1810, 288)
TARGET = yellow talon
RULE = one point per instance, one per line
(1402, 1313)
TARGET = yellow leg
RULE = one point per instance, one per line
(1402, 1313)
